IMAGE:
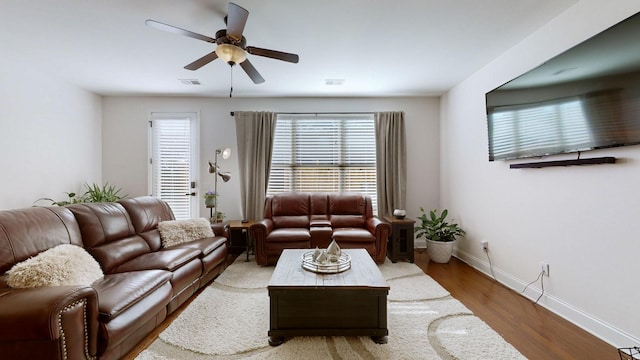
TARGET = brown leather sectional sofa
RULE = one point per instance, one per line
(309, 220)
(143, 282)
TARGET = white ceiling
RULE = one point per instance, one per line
(379, 48)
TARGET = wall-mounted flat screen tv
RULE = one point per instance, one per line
(583, 99)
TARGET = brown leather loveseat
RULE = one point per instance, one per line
(143, 282)
(309, 220)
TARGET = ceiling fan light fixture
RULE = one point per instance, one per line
(231, 54)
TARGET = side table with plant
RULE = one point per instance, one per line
(439, 234)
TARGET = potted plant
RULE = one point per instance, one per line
(106, 193)
(93, 194)
(439, 234)
(210, 198)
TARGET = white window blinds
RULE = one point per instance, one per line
(170, 164)
(324, 153)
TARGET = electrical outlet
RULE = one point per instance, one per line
(485, 245)
(544, 268)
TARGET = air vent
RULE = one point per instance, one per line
(334, 82)
(190, 81)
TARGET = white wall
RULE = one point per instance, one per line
(582, 220)
(50, 135)
(125, 134)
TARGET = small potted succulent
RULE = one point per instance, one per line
(210, 198)
(439, 234)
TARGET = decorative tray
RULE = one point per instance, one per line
(330, 267)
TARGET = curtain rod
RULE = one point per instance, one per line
(318, 113)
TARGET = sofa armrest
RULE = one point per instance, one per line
(220, 229)
(49, 322)
(381, 231)
(258, 232)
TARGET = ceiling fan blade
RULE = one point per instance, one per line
(236, 19)
(252, 72)
(279, 55)
(202, 61)
(176, 30)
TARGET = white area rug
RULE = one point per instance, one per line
(230, 320)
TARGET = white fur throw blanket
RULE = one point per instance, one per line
(61, 265)
(179, 231)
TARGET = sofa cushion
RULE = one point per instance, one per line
(118, 292)
(61, 265)
(345, 235)
(206, 245)
(290, 210)
(27, 232)
(290, 204)
(107, 233)
(102, 223)
(347, 204)
(175, 232)
(319, 220)
(348, 210)
(145, 213)
(290, 221)
(166, 259)
(345, 221)
(289, 234)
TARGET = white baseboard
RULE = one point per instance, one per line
(587, 322)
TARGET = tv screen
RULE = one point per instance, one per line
(583, 99)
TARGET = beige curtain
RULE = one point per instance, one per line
(391, 161)
(254, 132)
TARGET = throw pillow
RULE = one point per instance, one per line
(176, 232)
(61, 265)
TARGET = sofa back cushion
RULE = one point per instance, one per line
(319, 204)
(27, 232)
(290, 210)
(146, 212)
(349, 210)
(108, 234)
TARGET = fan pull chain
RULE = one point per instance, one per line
(231, 89)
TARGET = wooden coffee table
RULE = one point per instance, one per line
(350, 303)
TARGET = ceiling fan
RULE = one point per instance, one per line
(231, 44)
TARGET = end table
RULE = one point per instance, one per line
(400, 244)
(239, 238)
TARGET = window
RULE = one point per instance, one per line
(173, 154)
(324, 153)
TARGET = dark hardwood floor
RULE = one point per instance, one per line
(536, 332)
